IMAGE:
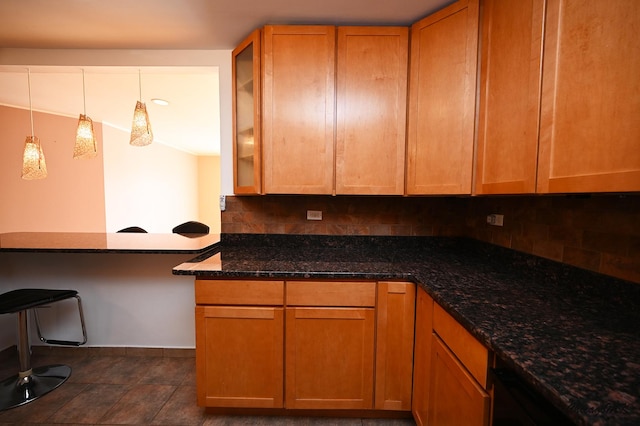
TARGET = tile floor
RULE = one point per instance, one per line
(133, 386)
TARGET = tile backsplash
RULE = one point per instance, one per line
(599, 233)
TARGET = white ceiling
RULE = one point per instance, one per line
(191, 121)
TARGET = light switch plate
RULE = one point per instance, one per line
(495, 219)
(314, 215)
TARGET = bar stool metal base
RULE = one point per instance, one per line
(16, 390)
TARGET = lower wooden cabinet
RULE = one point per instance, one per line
(450, 370)
(329, 353)
(422, 357)
(239, 356)
(455, 397)
(304, 344)
(394, 345)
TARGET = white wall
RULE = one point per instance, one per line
(129, 300)
(209, 190)
(154, 187)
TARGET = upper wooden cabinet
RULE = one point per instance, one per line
(298, 109)
(320, 110)
(331, 115)
(442, 93)
(576, 116)
(510, 78)
(371, 110)
(246, 116)
(590, 114)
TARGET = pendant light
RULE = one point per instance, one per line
(86, 145)
(141, 133)
(33, 163)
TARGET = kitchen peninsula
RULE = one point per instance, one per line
(98, 242)
(130, 297)
(568, 333)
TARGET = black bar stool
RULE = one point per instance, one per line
(135, 229)
(31, 383)
(191, 227)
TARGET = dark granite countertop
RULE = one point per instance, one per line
(572, 334)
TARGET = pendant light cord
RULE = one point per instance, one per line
(30, 106)
(84, 95)
(140, 84)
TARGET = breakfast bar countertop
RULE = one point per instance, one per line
(101, 242)
(572, 334)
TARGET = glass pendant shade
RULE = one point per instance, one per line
(86, 146)
(33, 163)
(141, 133)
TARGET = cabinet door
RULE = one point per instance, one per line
(510, 78)
(442, 97)
(298, 113)
(371, 110)
(246, 116)
(455, 397)
(329, 358)
(394, 345)
(590, 112)
(422, 357)
(239, 356)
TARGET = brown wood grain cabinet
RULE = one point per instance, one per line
(548, 104)
(239, 349)
(509, 95)
(330, 344)
(298, 109)
(442, 94)
(455, 398)
(459, 374)
(304, 344)
(247, 125)
(329, 110)
(590, 113)
(563, 118)
(450, 378)
(329, 357)
(472, 354)
(422, 357)
(371, 105)
(394, 345)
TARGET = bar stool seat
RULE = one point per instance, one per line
(31, 383)
(191, 229)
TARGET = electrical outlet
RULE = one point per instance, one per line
(223, 203)
(314, 215)
(495, 219)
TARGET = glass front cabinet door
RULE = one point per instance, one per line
(246, 116)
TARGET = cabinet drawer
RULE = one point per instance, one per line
(239, 292)
(333, 293)
(471, 353)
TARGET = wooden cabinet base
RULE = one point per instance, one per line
(365, 414)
